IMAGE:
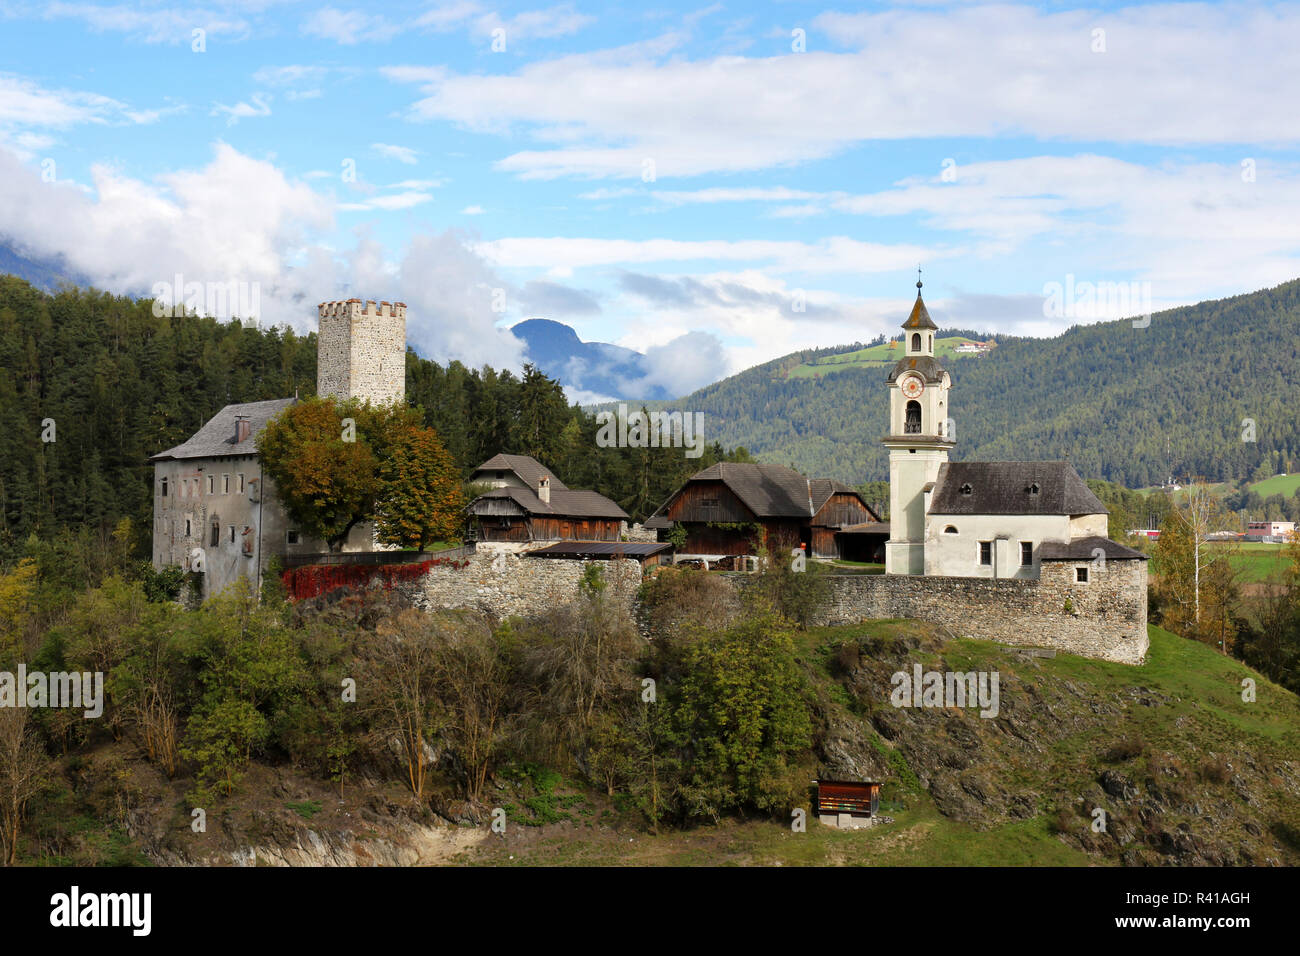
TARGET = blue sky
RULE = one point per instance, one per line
(713, 185)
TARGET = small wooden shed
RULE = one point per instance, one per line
(847, 804)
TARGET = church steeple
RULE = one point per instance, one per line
(919, 329)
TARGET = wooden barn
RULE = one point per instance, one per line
(528, 503)
(847, 804)
(736, 508)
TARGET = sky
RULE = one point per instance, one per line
(712, 185)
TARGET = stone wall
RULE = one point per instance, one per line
(361, 350)
(1107, 619)
(508, 584)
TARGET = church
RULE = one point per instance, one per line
(996, 519)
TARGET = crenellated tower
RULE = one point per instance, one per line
(361, 351)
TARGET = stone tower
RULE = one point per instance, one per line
(920, 435)
(361, 351)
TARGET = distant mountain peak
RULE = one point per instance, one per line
(593, 368)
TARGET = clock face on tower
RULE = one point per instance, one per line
(912, 386)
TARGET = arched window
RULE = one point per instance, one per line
(929, 342)
(912, 423)
(216, 531)
(951, 529)
(916, 341)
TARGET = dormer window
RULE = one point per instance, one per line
(966, 489)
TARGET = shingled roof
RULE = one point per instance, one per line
(1084, 549)
(217, 437)
(821, 489)
(529, 469)
(564, 503)
(769, 491)
(928, 367)
(920, 317)
(1006, 488)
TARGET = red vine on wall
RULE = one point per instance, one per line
(314, 580)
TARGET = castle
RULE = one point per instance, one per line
(215, 511)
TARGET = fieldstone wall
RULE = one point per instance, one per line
(361, 350)
(1106, 617)
(507, 584)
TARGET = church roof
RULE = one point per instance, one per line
(1085, 549)
(920, 318)
(928, 367)
(529, 470)
(217, 437)
(1007, 488)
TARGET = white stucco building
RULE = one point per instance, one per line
(997, 519)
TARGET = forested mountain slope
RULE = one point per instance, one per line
(1127, 404)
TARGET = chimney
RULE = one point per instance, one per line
(243, 427)
(544, 490)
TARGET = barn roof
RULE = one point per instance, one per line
(217, 437)
(769, 491)
(1006, 488)
(564, 503)
(1085, 549)
(529, 469)
(600, 549)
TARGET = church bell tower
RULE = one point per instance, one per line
(920, 434)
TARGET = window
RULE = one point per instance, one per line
(1081, 575)
(916, 341)
(225, 484)
(216, 531)
(291, 536)
(951, 529)
(232, 534)
(1026, 554)
(912, 422)
(212, 483)
(966, 489)
(986, 553)
(929, 341)
(241, 482)
(164, 487)
(1032, 489)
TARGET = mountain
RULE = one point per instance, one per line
(607, 371)
(1207, 390)
(46, 274)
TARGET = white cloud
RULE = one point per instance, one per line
(152, 24)
(832, 254)
(240, 219)
(403, 200)
(349, 27)
(403, 154)
(259, 105)
(1171, 74)
(472, 211)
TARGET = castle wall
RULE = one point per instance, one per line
(508, 584)
(1107, 617)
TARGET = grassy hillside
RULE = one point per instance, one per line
(1130, 405)
(1284, 485)
(878, 356)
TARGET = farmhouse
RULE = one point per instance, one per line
(734, 508)
(529, 504)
